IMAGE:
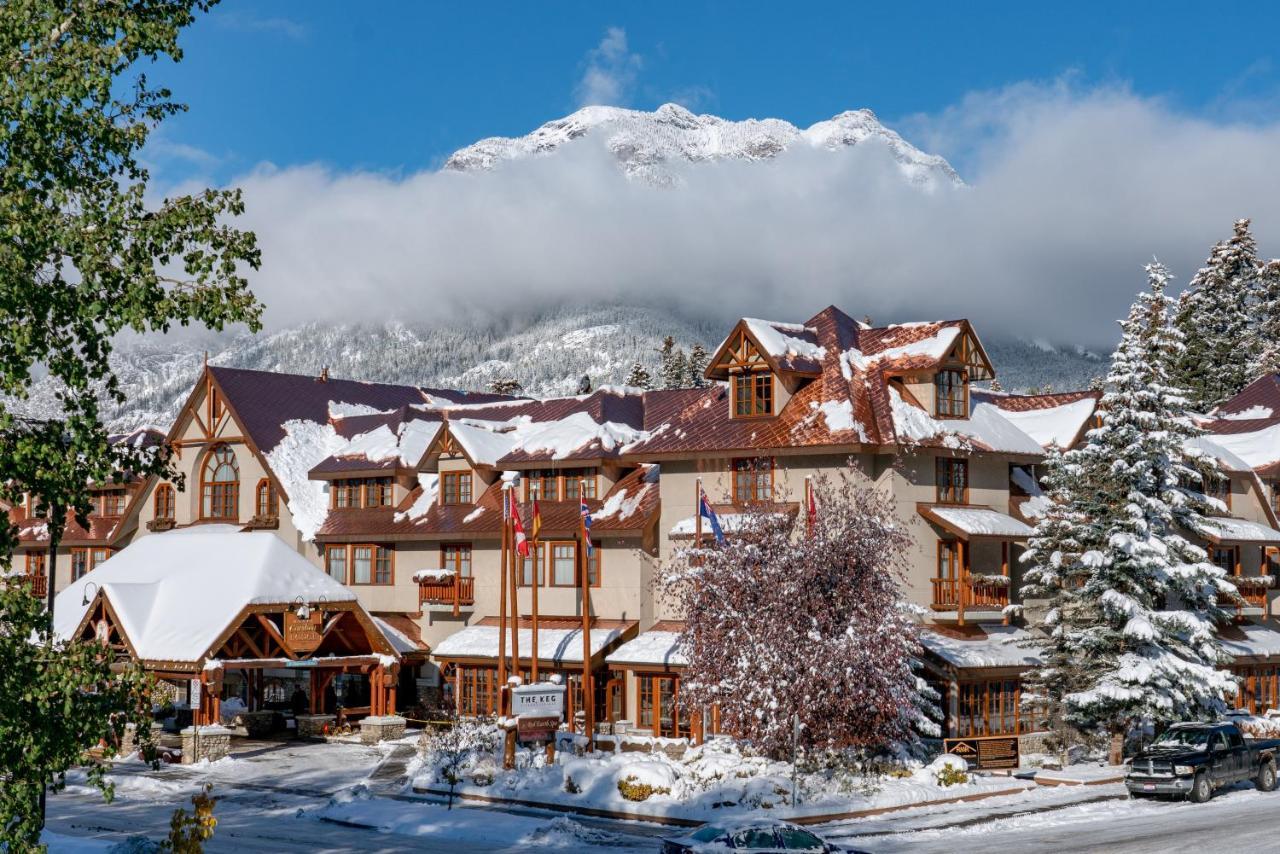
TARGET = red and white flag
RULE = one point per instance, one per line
(522, 542)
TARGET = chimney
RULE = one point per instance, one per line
(324, 375)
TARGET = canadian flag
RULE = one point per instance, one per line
(522, 542)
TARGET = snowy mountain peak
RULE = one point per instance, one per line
(644, 142)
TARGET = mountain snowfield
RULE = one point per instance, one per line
(644, 143)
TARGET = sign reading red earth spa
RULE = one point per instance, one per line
(537, 727)
(985, 752)
(302, 634)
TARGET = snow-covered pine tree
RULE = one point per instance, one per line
(639, 377)
(1214, 315)
(666, 360)
(1267, 321)
(1143, 621)
(678, 376)
(698, 359)
(782, 622)
(996, 386)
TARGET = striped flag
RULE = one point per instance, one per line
(536, 527)
(585, 512)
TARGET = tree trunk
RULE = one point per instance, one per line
(1116, 755)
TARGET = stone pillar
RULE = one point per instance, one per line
(381, 728)
(212, 742)
(313, 726)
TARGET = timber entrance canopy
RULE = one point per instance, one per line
(189, 602)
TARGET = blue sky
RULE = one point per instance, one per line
(398, 86)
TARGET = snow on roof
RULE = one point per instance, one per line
(304, 446)
(1231, 529)
(407, 444)
(839, 417)
(987, 425)
(1253, 412)
(1213, 446)
(399, 641)
(487, 442)
(558, 645)
(1003, 646)
(1257, 641)
(1053, 425)
(1257, 448)
(339, 409)
(650, 648)
(772, 336)
(622, 505)
(729, 523)
(175, 593)
(980, 521)
(430, 484)
(934, 347)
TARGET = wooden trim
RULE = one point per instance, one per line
(937, 397)
(459, 476)
(164, 488)
(550, 564)
(373, 566)
(751, 374)
(234, 485)
(733, 479)
(471, 566)
(273, 508)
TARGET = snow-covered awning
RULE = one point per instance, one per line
(975, 522)
(999, 646)
(653, 648)
(1250, 641)
(557, 645)
(1228, 529)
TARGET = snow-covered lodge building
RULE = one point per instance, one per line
(396, 492)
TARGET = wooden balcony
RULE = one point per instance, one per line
(955, 594)
(455, 592)
(39, 585)
(1253, 589)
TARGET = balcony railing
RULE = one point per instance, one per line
(1252, 588)
(950, 593)
(39, 585)
(455, 591)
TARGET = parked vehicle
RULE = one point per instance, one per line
(1192, 760)
(756, 835)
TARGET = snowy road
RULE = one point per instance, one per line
(1241, 820)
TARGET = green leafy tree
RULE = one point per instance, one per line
(86, 254)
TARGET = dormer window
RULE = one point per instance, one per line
(951, 394)
(753, 394)
(455, 487)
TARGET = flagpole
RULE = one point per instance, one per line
(697, 512)
(534, 580)
(515, 600)
(588, 701)
(502, 617)
(808, 505)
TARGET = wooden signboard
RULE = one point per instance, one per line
(985, 752)
(540, 699)
(537, 727)
(302, 635)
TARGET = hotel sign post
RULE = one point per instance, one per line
(538, 710)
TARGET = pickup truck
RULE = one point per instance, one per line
(1191, 760)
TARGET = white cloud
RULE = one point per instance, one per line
(610, 72)
(1070, 193)
(248, 22)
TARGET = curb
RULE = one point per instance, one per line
(823, 818)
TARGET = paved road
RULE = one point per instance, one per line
(1241, 820)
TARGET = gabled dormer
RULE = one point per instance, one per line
(764, 363)
(937, 367)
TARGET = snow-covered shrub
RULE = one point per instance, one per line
(948, 770)
(631, 788)
(464, 750)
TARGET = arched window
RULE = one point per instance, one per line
(220, 485)
(268, 503)
(164, 501)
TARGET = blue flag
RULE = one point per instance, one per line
(710, 515)
(586, 524)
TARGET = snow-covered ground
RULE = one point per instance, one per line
(348, 797)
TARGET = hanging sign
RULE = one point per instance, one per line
(537, 727)
(541, 699)
(302, 634)
(195, 694)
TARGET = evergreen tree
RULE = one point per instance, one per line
(996, 386)
(639, 377)
(677, 374)
(1134, 605)
(1267, 359)
(698, 359)
(584, 384)
(1214, 317)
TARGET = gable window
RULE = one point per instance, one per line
(457, 557)
(753, 480)
(112, 502)
(542, 485)
(952, 480)
(345, 494)
(455, 487)
(220, 487)
(164, 502)
(377, 492)
(753, 394)
(579, 484)
(268, 503)
(951, 394)
(352, 494)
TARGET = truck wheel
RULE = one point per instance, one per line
(1266, 779)
(1201, 791)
